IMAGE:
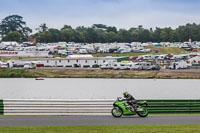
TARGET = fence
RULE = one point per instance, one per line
(1, 107)
(89, 107)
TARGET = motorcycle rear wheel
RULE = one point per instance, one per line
(143, 113)
(116, 112)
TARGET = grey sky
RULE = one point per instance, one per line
(119, 13)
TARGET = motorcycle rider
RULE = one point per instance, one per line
(131, 100)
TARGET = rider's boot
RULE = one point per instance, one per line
(133, 109)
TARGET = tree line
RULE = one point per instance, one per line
(13, 28)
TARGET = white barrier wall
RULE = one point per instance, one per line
(25, 53)
(57, 107)
(94, 88)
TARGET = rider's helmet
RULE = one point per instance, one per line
(125, 94)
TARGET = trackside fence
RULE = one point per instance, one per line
(174, 106)
(1, 107)
(88, 107)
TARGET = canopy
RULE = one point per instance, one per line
(59, 47)
(158, 45)
(64, 46)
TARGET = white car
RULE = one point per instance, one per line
(120, 66)
(106, 65)
(29, 65)
(4, 65)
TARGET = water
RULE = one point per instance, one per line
(80, 88)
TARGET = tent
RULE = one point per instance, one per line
(59, 47)
(129, 45)
(64, 47)
(157, 45)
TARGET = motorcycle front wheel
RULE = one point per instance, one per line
(143, 113)
(116, 112)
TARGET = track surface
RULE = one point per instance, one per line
(95, 120)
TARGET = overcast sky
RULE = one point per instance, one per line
(119, 13)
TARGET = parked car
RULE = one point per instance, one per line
(29, 65)
(106, 65)
(4, 65)
(120, 66)
(145, 66)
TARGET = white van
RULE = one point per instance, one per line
(179, 65)
(120, 66)
(106, 65)
(142, 66)
(83, 51)
(145, 66)
(29, 65)
(135, 66)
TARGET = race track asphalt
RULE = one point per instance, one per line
(96, 120)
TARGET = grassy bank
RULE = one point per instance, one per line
(155, 51)
(97, 73)
(105, 129)
(12, 73)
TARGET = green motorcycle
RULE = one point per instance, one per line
(122, 107)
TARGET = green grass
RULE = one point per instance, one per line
(41, 73)
(105, 129)
(24, 73)
(15, 73)
(118, 54)
(73, 73)
(160, 50)
(57, 55)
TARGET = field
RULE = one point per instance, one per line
(155, 51)
(105, 129)
(98, 73)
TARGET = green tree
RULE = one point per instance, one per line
(144, 36)
(67, 35)
(134, 34)
(14, 23)
(188, 31)
(99, 26)
(156, 35)
(78, 37)
(44, 37)
(66, 27)
(166, 34)
(91, 35)
(101, 35)
(111, 29)
(124, 36)
(111, 37)
(13, 36)
(54, 35)
(83, 31)
(42, 28)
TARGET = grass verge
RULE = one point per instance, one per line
(155, 51)
(97, 73)
(15, 73)
(105, 129)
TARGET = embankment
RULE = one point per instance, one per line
(97, 73)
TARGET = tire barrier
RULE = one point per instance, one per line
(1, 107)
(174, 106)
(88, 107)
